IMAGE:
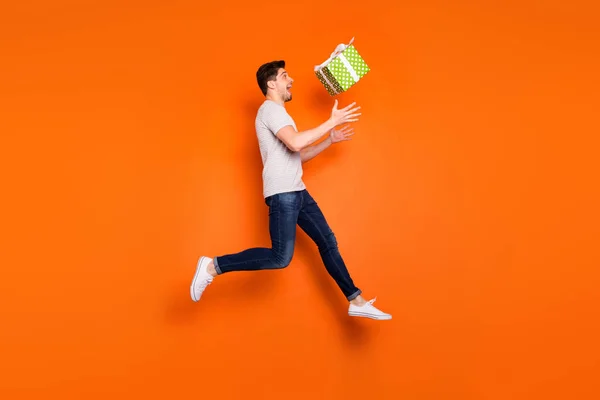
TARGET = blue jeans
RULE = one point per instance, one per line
(285, 211)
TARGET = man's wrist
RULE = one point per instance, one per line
(329, 125)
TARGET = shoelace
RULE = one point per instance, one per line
(204, 283)
(370, 302)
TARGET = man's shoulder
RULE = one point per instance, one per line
(269, 107)
(271, 117)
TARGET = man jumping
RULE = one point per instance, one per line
(283, 150)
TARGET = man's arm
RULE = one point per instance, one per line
(297, 141)
(308, 153)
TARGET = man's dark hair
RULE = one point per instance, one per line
(268, 72)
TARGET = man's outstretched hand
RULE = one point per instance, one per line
(344, 115)
(339, 135)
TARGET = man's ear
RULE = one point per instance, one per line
(271, 84)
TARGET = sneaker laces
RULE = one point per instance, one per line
(369, 302)
(205, 282)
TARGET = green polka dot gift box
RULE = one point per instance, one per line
(342, 69)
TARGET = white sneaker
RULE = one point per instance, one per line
(367, 310)
(201, 279)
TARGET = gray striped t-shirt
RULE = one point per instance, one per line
(282, 168)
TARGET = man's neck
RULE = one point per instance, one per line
(276, 100)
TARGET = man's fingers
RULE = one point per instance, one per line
(349, 106)
(335, 104)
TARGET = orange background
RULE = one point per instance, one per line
(467, 202)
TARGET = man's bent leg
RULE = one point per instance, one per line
(283, 216)
(313, 222)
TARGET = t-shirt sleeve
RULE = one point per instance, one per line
(275, 118)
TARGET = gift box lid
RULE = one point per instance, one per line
(338, 50)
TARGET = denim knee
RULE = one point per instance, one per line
(329, 242)
(284, 258)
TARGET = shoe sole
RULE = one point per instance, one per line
(371, 316)
(198, 267)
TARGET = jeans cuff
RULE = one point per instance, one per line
(353, 295)
(216, 264)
